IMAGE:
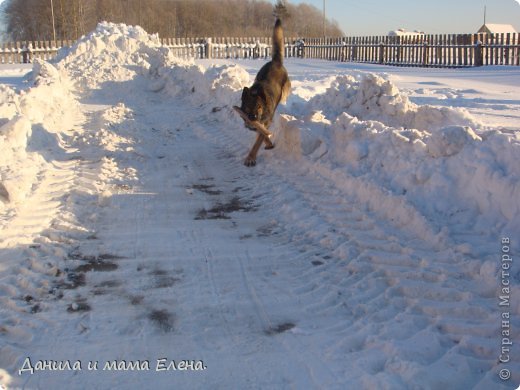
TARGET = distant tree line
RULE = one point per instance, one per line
(32, 19)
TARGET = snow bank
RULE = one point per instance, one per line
(371, 97)
(429, 156)
(33, 123)
(218, 84)
(444, 173)
(119, 53)
(112, 53)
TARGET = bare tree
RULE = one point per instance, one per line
(31, 19)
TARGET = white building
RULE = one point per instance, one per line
(403, 33)
(490, 28)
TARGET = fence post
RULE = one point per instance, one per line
(479, 59)
(381, 52)
(300, 47)
(26, 53)
(208, 48)
(506, 49)
(425, 54)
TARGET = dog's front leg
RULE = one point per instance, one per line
(251, 157)
(268, 143)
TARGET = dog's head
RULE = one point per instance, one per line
(253, 103)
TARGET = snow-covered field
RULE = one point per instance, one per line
(369, 250)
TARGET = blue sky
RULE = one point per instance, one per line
(377, 17)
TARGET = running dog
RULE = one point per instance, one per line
(259, 101)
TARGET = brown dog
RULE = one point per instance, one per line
(271, 86)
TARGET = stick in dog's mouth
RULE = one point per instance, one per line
(256, 124)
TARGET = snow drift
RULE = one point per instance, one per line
(439, 160)
(371, 97)
(34, 122)
(112, 53)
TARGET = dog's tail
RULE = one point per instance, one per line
(278, 45)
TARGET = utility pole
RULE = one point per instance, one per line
(324, 32)
(53, 25)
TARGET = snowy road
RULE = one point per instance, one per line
(145, 240)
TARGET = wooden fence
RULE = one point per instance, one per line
(460, 50)
(230, 48)
(24, 52)
(421, 50)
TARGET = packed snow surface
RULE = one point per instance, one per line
(366, 251)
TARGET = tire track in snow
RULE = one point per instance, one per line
(226, 271)
(384, 267)
(36, 246)
(265, 263)
(295, 242)
(355, 242)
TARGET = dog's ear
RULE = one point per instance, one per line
(245, 92)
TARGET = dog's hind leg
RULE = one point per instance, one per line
(251, 157)
(286, 90)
